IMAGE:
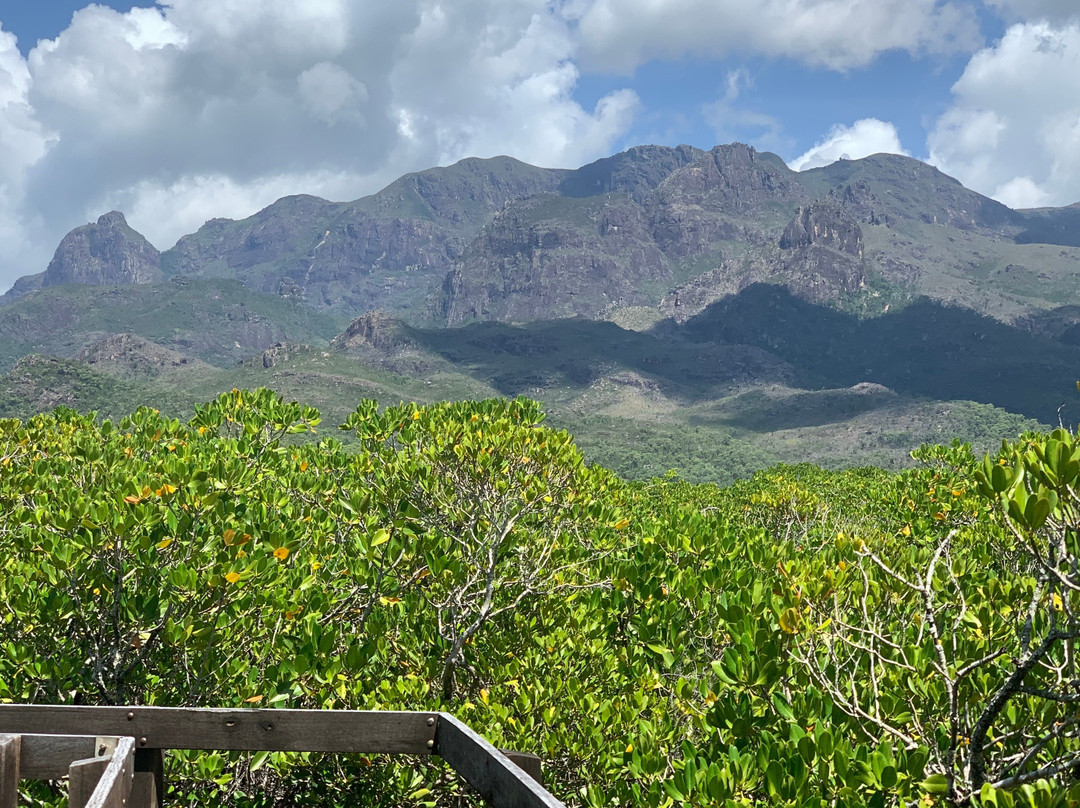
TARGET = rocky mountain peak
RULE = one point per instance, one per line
(106, 253)
(113, 218)
(636, 171)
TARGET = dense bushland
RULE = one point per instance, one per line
(803, 638)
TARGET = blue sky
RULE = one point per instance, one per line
(179, 112)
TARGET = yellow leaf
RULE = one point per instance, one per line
(484, 695)
(281, 553)
(416, 416)
(228, 537)
(1058, 603)
(232, 577)
(254, 700)
(303, 466)
(161, 545)
(789, 621)
(132, 500)
(622, 524)
(906, 530)
(629, 748)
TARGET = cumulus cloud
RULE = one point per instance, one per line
(200, 108)
(1037, 9)
(619, 35)
(23, 141)
(861, 139)
(1013, 129)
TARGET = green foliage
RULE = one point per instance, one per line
(657, 644)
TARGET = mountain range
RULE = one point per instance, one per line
(712, 311)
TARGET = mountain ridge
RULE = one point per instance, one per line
(715, 308)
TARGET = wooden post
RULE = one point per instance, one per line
(9, 770)
(148, 788)
(83, 777)
(527, 762)
(103, 782)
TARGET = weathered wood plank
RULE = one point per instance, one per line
(114, 785)
(148, 788)
(501, 783)
(9, 770)
(83, 778)
(47, 757)
(341, 731)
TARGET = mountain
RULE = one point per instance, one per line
(387, 251)
(712, 311)
(649, 233)
(106, 253)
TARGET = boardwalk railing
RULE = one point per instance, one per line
(113, 755)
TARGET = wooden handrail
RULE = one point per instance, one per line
(152, 730)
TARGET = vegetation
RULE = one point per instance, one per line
(801, 638)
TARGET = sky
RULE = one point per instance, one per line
(185, 110)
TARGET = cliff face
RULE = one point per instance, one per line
(824, 225)
(325, 255)
(106, 253)
(553, 257)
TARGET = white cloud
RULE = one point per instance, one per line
(1013, 130)
(1037, 9)
(861, 139)
(23, 141)
(732, 121)
(201, 108)
(619, 35)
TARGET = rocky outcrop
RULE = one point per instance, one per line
(377, 330)
(22, 287)
(379, 339)
(735, 179)
(553, 257)
(106, 253)
(824, 225)
(637, 172)
(130, 354)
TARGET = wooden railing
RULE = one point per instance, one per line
(113, 755)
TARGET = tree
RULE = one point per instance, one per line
(502, 509)
(961, 637)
